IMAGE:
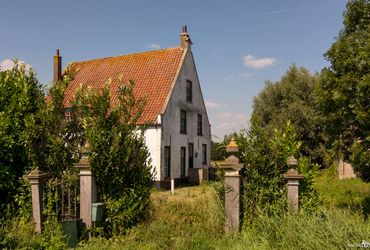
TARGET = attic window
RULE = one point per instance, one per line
(189, 91)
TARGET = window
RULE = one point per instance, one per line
(183, 121)
(167, 162)
(204, 154)
(200, 125)
(183, 161)
(191, 155)
(189, 91)
(68, 114)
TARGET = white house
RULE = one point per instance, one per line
(179, 137)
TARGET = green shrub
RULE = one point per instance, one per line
(124, 212)
(264, 155)
(118, 155)
(19, 233)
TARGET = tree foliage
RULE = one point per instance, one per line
(344, 92)
(20, 94)
(52, 140)
(265, 156)
(118, 155)
(292, 99)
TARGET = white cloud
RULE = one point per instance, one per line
(232, 77)
(224, 115)
(154, 46)
(9, 64)
(211, 105)
(240, 119)
(258, 63)
(225, 123)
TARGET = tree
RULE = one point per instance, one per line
(292, 99)
(118, 155)
(344, 93)
(20, 94)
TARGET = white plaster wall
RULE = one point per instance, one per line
(153, 142)
(171, 121)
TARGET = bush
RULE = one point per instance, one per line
(118, 155)
(19, 233)
(264, 155)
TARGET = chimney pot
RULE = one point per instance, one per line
(57, 66)
(185, 41)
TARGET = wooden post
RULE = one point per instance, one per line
(172, 186)
(36, 179)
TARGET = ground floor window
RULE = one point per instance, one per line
(204, 154)
(167, 162)
(191, 155)
(183, 161)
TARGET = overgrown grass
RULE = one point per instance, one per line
(192, 219)
(19, 234)
(352, 194)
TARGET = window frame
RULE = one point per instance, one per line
(182, 161)
(200, 125)
(183, 122)
(204, 154)
(190, 155)
(167, 161)
(189, 91)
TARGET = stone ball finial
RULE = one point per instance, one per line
(232, 146)
(85, 150)
(292, 162)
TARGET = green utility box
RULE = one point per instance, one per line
(71, 231)
(97, 211)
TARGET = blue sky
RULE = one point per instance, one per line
(238, 45)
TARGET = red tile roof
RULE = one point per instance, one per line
(153, 73)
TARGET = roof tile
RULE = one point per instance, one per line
(153, 73)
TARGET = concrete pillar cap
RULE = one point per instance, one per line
(292, 174)
(292, 161)
(232, 146)
(36, 174)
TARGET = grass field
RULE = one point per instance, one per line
(193, 219)
(352, 194)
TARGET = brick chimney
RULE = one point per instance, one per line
(185, 41)
(57, 66)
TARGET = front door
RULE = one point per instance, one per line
(191, 155)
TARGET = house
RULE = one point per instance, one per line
(179, 135)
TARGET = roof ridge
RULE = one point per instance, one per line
(131, 54)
